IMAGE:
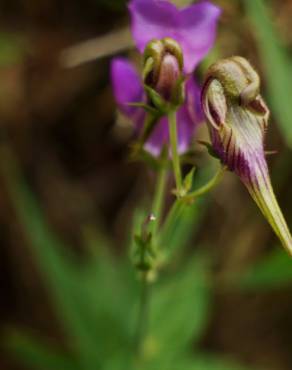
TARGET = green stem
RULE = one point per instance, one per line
(158, 200)
(174, 149)
(180, 203)
(208, 186)
(157, 208)
(143, 315)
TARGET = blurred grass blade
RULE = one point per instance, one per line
(38, 356)
(96, 48)
(181, 225)
(58, 271)
(200, 361)
(273, 271)
(277, 65)
(180, 308)
(184, 220)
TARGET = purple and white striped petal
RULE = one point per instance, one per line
(237, 118)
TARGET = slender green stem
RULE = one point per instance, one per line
(144, 304)
(143, 315)
(174, 149)
(157, 206)
(180, 203)
(208, 186)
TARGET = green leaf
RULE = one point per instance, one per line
(184, 220)
(188, 180)
(273, 271)
(276, 63)
(206, 362)
(180, 309)
(200, 361)
(91, 302)
(195, 361)
(37, 355)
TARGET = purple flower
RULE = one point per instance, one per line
(193, 27)
(168, 32)
(128, 88)
(238, 119)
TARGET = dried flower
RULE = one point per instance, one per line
(238, 118)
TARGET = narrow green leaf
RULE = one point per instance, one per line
(54, 263)
(183, 220)
(276, 63)
(273, 271)
(180, 309)
(188, 180)
(200, 361)
(38, 355)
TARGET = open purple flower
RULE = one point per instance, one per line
(193, 27)
(156, 23)
(128, 88)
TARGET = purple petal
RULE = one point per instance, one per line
(193, 101)
(127, 86)
(237, 127)
(158, 138)
(185, 129)
(152, 19)
(188, 118)
(197, 32)
(194, 27)
(160, 134)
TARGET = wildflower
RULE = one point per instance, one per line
(128, 88)
(238, 119)
(193, 27)
(159, 24)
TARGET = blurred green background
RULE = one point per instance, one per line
(70, 198)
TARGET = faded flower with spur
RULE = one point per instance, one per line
(237, 119)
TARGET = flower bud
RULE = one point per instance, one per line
(237, 118)
(162, 74)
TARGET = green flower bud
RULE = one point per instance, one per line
(162, 74)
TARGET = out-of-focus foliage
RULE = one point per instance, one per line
(273, 271)
(12, 49)
(277, 65)
(97, 302)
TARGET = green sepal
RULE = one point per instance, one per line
(145, 106)
(186, 186)
(209, 148)
(143, 255)
(162, 106)
(188, 180)
(178, 94)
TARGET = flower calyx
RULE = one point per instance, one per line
(163, 74)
